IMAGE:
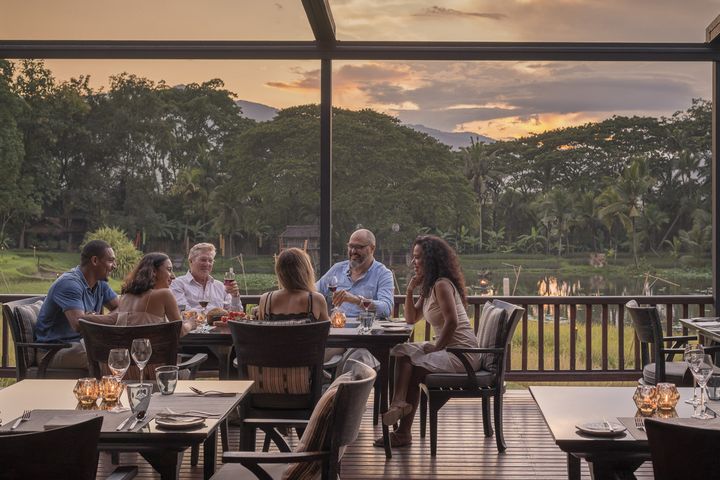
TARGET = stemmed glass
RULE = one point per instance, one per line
(702, 371)
(204, 301)
(365, 303)
(119, 362)
(332, 286)
(141, 351)
(693, 354)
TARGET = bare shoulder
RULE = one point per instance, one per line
(162, 294)
(443, 285)
(319, 297)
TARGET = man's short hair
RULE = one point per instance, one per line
(94, 248)
(369, 236)
(200, 248)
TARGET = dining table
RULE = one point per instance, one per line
(569, 409)
(707, 327)
(383, 336)
(52, 402)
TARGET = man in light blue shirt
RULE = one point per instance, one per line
(360, 276)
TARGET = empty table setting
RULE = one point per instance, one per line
(160, 429)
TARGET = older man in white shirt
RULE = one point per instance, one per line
(197, 285)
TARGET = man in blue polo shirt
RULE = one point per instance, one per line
(81, 292)
(360, 276)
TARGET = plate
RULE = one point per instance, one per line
(394, 328)
(179, 423)
(600, 429)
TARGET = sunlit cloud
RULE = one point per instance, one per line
(516, 126)
(436, 11)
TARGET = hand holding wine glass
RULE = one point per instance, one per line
(141, 351)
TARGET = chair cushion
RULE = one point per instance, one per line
(287, 380)
(490, 334)
(455, 380)
(316, 435)
(234, 471)
(675, 372)
(27, 318)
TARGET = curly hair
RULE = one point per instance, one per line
(142, 278)
(439, 260)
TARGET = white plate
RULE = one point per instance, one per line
(600, 429)
(179, 423)
(394, 328)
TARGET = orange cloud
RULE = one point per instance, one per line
(515, 127)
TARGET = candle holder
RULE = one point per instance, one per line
(338, 319)
(645, 398)
(86, 391)
(666, 413)
(111, 388)
(667, 396)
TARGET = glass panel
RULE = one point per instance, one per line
(524, 20)
(163, 152)
(580, 173)
(154, 20)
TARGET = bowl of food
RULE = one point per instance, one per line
(215, 314)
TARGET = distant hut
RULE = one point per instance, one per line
(306, 237)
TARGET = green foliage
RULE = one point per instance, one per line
(126, 255)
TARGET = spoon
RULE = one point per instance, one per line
(139, 416)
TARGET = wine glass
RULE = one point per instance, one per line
(365, 303)
(119, 362)
(204, 301)
(332, 286)
(693, 354)
(702, 371)
(141, 351)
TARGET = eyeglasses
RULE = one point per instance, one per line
(356, 246)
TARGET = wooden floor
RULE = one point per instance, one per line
(463, 451)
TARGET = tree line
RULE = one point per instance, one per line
(173, 165)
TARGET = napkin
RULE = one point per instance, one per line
(66, 420)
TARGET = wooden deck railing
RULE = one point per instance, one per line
(578, 339)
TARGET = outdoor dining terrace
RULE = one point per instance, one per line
(582, 344)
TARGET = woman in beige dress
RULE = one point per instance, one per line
(442, 303)
(146, 296)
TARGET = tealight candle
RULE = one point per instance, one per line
(338, 319)
(645, 398)
(86, 391)
(667, 396)
(110, 388)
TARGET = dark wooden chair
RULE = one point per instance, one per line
(65, 453)
(164, 338)
(655, 356)
(32, 358)
(488, 382)
(263, 348)
(334, 424)
(683, 452)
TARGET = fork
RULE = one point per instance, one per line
(25, 417)
(189, 413)
(640, 423)
(197, 391)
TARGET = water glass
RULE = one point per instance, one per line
(139, 395)
(366, 322)
(167, 378)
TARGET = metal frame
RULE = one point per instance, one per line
(327, 48)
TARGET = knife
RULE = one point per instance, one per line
(608, 425)
(124, 422)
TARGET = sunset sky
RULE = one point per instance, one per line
(497, 99)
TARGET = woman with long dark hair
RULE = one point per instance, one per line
(440, 282)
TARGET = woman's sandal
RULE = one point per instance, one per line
(396, 441)
(395, 413)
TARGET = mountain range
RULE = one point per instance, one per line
(455, 140)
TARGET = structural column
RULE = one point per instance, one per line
(325, 164)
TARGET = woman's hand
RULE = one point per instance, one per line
(414, 282)
(429, 348)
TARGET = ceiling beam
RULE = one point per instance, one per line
(712, 33)
(304, 50)
(321, 20)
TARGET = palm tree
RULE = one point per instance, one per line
(623, 200)
(481, 168)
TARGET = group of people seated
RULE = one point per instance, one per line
(151, 293)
